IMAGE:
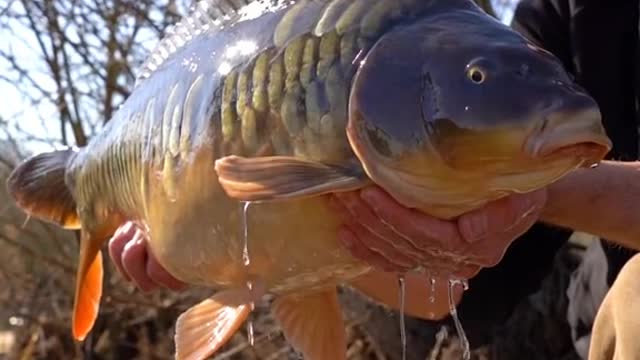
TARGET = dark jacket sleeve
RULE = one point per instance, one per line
(547, 24)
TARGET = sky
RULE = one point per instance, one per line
(19, 109)
(14, 104)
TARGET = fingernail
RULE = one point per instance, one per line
(118, 232)
(124, 229)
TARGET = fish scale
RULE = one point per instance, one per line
(303, 85)
(323, 64)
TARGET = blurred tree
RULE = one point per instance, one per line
(83, 56)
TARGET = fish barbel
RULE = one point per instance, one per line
(279, 102)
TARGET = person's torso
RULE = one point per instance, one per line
(604, 48)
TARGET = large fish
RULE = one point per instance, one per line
(280, 102)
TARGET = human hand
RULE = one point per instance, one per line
(382, 232)
(129, 253)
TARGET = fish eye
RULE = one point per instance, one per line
(476, 74)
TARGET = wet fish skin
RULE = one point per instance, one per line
(445, 143)
(304, 99)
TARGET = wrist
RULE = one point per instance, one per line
(571, 199)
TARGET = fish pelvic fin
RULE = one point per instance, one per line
(204, 328)
(88, 284)
(313, 324)
(272, 178)
(38, 187)
(382, 288)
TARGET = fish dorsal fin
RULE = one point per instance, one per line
(205, 15)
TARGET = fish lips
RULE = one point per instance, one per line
(578, 134)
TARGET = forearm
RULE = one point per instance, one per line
(604, 201)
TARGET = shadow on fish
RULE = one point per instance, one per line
(277, 103)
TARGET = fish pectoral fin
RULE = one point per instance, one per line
(282, 177)
(38, 187)
(88, 285)
(383, 288)
(313, 324)
(206, 327)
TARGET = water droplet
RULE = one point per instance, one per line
(250, 330)
(245, 228)
(247, 261)
(250, 335)
(26, 221)
(16, 321)
(432, 292)
(403, 329)
(464, 342)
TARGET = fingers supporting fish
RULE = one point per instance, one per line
(134, 260)
(129, 253)
(355, 210)
(365, 253)
(466, 271)
(373, 241)
(160, 276)
(116, 247)
(380, 231)
(489, 249)
(423, 232)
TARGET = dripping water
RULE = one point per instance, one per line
(245, 228)
(246, 259)
(464, 343)
(403, 328)
(26, 221)
(432, 291)
(250, 336)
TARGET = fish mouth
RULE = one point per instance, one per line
(580, 136)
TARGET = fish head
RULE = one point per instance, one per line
(457, 110)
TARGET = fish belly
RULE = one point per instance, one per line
(198, 235)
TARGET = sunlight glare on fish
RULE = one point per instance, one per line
(224, 68)
(241, 48)
(257, 8)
